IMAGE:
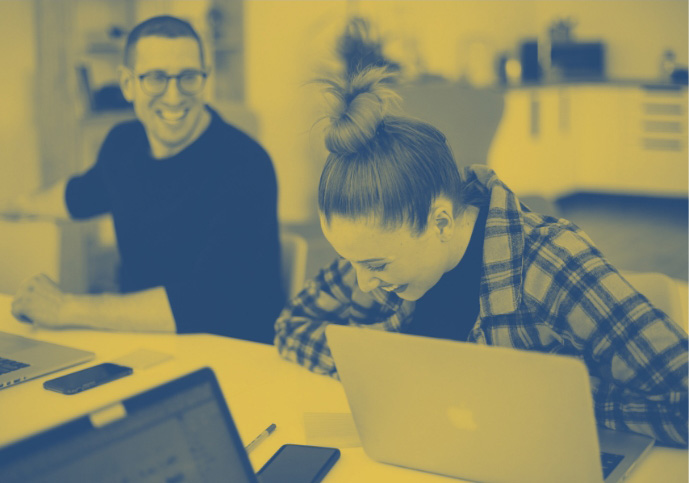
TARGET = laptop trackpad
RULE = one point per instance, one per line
(10, 344)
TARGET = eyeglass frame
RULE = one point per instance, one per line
(204, 74)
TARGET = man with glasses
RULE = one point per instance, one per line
(193, 200)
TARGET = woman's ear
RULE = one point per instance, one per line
(442, 220)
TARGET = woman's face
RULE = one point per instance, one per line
(397, 260)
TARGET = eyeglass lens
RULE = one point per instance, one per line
(189, 82)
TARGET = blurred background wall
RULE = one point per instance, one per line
(557, 96)
(18, 134)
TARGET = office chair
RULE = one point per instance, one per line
(294, 257)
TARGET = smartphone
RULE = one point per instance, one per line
(296, 463)
(87, 378)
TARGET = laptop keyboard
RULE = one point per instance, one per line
(8, 365)
(610, 462)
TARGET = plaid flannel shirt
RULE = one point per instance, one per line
(544, 287)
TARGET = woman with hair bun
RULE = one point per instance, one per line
(430, 250)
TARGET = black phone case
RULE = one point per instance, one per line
(318, 477)
(55, 384)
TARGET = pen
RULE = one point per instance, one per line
(268, 431)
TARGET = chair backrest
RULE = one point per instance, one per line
(294, 257)
(663, 292)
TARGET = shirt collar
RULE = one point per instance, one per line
(503, 246)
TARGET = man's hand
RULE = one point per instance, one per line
(40, 300)
(48, 203)
(15, 209)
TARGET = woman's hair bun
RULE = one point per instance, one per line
(361, 102)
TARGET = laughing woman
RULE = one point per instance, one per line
(430, 250)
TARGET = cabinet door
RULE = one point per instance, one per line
(532, 151)
(598, 131)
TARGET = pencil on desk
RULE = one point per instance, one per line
(267, 432)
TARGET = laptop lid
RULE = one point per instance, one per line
(23, 358)
(178, 431)
(468, 410)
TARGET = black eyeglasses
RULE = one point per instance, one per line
(189, 82)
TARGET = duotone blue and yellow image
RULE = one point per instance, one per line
(293, 241)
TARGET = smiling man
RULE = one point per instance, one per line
(193, 200)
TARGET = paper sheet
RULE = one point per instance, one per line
(142, 359)
(331, 429)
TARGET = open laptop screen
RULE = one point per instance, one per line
(180, 431)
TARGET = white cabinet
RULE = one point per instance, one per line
(619, 138)
(655, 158)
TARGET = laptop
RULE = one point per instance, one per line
(179, 431)
(22, 358)
(477, 412)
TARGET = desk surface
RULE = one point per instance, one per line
(259, 387)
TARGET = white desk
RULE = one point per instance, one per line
(259, 387)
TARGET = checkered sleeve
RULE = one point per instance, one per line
(333, 297)
(636, 355)
(300, 328)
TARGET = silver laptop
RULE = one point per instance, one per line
(477, 412)
(22, 358)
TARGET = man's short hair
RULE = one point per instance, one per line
(160, 26)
